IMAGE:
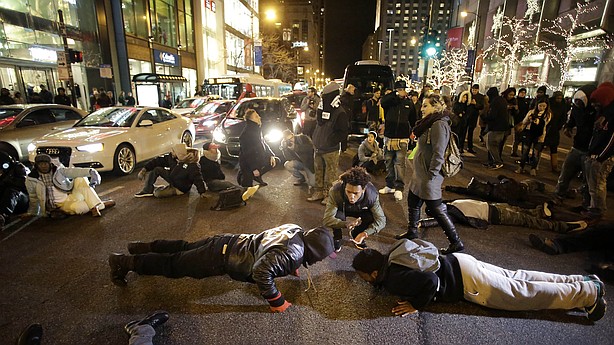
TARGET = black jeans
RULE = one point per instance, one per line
(245, 176)
(153, 175)
(596, 238)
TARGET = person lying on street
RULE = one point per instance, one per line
(179, 168)
(353, 203)
(415, 272)
(254, 258)
(57, 191)
(480, 214)
(13, 192)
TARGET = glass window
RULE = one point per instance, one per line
(182, 31)
(188, 7)
(43, 9)
(65, 115)
(129, 17)
(37, 117)
(15, 5)
(45, 38)
(70, 11)
(189, 27)
(164, 26)
(164, 115)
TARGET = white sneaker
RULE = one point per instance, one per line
(249, 192)
(398, 195)
(386, 190)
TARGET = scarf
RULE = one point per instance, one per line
(48, 182)
(425, 123)
(212, 156)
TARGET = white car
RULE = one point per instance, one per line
(190, 106)
(115, 138)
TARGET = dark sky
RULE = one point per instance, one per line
(347, 25)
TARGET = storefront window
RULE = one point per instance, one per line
(163, 29)
(43, 9)
(69, 11)
(135, 17)
(138, 66)
(189, 27)
(182, 31)
(15, 5)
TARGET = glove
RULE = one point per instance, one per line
(281, 308)
(142, 173)
(94, 178)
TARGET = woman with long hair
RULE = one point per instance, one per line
(534, 131)
(433, 133)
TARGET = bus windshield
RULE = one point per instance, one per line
(366, 78)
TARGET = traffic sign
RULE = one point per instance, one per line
(62, 59)
(63, 73)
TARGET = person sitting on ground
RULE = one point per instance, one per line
(179, 168)
(370, 156)
(298, 150)
(480, 214)
(254, 258)
(457, 276)
(13, 193)
(213, 175)
(58, 191)
(353, 195)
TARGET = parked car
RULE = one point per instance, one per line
(188, 106)
(22, 123)
(277, 115)
(209, 116)
(116, 138)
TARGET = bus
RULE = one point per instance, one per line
(231, 86)
(365, 75)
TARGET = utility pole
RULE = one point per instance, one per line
(66, 73)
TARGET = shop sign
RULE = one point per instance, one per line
(166, 58)
(106, 71)
(299, 44)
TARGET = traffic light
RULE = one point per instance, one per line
(75, 55)
(431, 44)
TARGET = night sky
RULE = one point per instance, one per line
(348, 23)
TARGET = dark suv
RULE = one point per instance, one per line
(277, 115)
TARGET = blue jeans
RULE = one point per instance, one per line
(395, 166)
(493, 144)
(597, 180)
(298, 170)
(574, 163)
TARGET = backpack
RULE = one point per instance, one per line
(453, 162)
(416, 254)
(229, 198)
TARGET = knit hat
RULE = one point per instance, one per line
(42, 157)
(400, 84)
(331, 87)
(604, 94)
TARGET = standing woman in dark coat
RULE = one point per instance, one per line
(558, 109)
(433, 132)
(459, 127)
(255, 155)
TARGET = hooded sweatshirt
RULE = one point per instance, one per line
(582, 117)
(497, 118)
(332, 126)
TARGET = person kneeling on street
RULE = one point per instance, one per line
(353, 203)
(370, 156)
(298, 150)
(13, 192)
(254, 258)
(413, 271)
(213, 175)
(58, 191)
(179, 168)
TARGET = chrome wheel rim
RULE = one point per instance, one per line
(125, 160)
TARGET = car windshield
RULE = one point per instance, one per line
(295, 99)
(109, 117)
(267, 109)
(190, 103)
(209, 108)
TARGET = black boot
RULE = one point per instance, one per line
(428, 223)
(138, 247)
(120, 266)
(441, 214)
(412, 226)
(32, 335)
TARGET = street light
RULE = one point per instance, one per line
(390, 46)
(475, 40)
(270, 14)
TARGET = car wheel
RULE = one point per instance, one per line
(9, 150)
(124, 160)
(186, 138)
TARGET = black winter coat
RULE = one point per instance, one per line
(14, 177)
(583, 119)
(497, 118)
(332, 126)
(557, 121)
(399, 116)
(254, 151)
(182, 175)
(473, 110)
(211, 170)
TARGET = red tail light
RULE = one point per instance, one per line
(7, 121)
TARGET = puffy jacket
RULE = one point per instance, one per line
(182, 174)
(277, 252)
(337, 203)
(399, 116)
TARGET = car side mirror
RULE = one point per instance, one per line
(26, 123)
(146, 123)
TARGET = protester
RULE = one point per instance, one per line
(353, 204)
(57, 191)
(399, 118)
(298, 152)
(372, 109)
(61, 97)
(433, 132)
(45, 95)
(497, 122)
(509, 95)
(523, 108)
(179, 168)
(255, 156)
(456, 277)
(309, 106)
(558, 111)
(347, 99)
(13, 192)
(370, 156)
(474, 109)
(254, 258)
(459, 120)
(5, 97)
(534, 131)
(329, 138)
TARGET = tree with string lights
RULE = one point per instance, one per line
(449, 69)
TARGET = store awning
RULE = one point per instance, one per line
(158, 78)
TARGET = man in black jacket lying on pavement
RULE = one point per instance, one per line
(254, 258)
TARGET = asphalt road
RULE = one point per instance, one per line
(56, 273)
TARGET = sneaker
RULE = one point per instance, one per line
(398, 195)
(337, 244)
(519, 170)
(597, 310)
(143, 194)
(387, 190)
(249, 192)
(154, 320)
(496, 166)
(533, 172)
(576, 226)
(316, 196)
(361, 246)
(544, 244)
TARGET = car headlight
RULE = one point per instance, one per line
(31, 147)
(91, 147)
(219, 136)
(274, 135)
(209, 123)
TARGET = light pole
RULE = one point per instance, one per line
(379, 50)
(476, 32)
(390, 46)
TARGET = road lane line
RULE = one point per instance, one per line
(21, 228)
(110, 191)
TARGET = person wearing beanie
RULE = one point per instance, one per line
(600, 160)
(179, 168)
(370, 156)
(497, 120)
(13, 192)
(329, 138)
(399, 118)
(474, 110)
(57, 191)
(582, 118)
(253, 258)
